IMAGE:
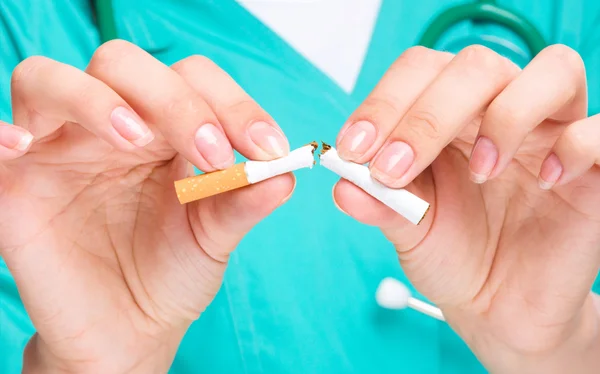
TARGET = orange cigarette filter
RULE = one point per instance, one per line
(242, 174)
(209, 184)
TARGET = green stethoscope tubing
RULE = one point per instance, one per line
(482, 10)
(105, 18)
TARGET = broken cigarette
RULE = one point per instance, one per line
(403, 202)
(243, 174)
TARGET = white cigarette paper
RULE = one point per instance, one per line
(403, 202)
(299, 158)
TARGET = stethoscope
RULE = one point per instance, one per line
(480, 10)
(391, 293)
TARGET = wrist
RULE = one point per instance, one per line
(38, 358)
(578, 351)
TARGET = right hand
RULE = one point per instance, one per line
(111, 268)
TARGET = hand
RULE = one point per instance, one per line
(510, 258)
(111, 268)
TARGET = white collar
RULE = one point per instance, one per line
(334, 35)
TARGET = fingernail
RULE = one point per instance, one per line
(357, 140)
(550, 172)
(393, 161)
(289, 196)
(335, 201)
(131, 127)
(268, 138)
(13, 137)
(483, 160)
(214, 146)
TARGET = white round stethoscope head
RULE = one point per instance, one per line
(393, 294)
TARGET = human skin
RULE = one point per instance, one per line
(510, 162)
(113, 270)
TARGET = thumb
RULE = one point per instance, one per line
(355, 202)
(220, 222)
(444, 256)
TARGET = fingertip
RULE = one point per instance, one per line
(333, 196)
(477, 178)
(130, 131)
(268, 194)
(239, 210)
(268, 140)
(483, 161)
(144, 140)
(213, 147)
(289, 195)
(356, 141)
(391, 182)
(550, 172)
(14, 141)
(24, 143)
(363, 207)
(394, 164)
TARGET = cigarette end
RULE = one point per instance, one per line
(424, 215)
(315, 145)
(325, 148)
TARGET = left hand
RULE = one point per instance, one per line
(510, 263)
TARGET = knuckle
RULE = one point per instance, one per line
(420, 57)
(477, 52)
(192, 63)
(423, 124)
(244, 107)
(568, 57)
(25, 69)
(577, 138)
(377, 109)
(501, 114)
(186, 106)
(110, 52)
(481, 58)
(87, 98)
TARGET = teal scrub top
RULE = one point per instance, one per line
(298, 295)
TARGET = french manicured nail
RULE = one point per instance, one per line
(16, 138)
(289, 196)
(357, 140)
(550, 172)
(214, 146)
(335, 201)
(268, 138)
(131, 127)
(483, 160)
(393, 161)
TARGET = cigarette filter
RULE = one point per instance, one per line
(403, 202)
(242, 174)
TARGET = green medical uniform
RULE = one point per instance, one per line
(298, 296)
